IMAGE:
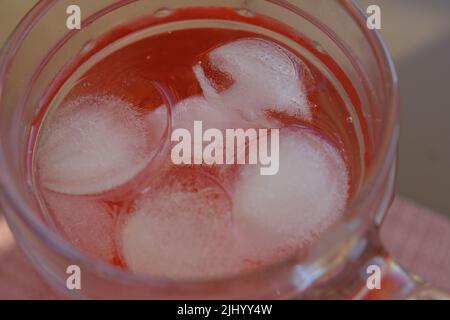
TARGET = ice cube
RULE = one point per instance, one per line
(95, 143)
(288, 210)
(255, 76)
(87, 224)
(182, 230)
(196, 108)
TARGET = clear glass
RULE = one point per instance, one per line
(335, 268)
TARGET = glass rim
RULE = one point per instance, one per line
(382, 161)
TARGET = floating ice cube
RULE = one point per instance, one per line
(94, 144)
(186, 112)
(87, 224)
(255, 76)
(182, 230)
(285, 211)
(198, 109)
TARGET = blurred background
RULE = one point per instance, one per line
(417, 33)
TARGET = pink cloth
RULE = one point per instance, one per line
(420, 241)
(417, 237)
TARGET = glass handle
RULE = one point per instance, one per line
(362, 270)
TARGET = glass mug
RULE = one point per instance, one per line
(335, 266)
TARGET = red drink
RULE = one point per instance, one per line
(103, 165)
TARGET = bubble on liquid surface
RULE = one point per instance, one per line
(288, 210)
(163, 12)
(95, 143)
(87, 224)
(245, 12)
(181, 230)
(255, 76)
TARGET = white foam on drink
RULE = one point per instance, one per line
(180, 231)
(93, 144)
(266, 77)
(285, 211)
(87, 224)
